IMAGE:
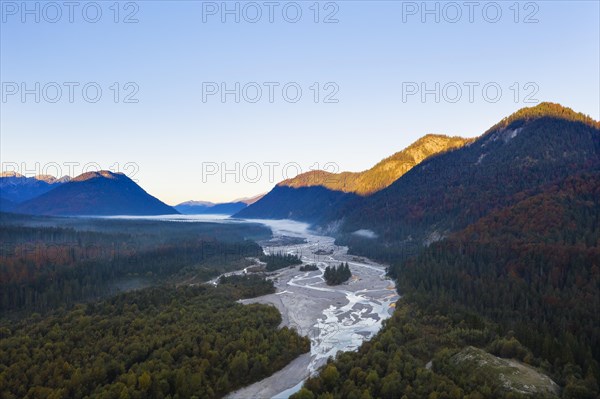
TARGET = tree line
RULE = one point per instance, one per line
(160, 342)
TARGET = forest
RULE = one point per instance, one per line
(520, 283)
(42, 267)
(533, 268)
(279, 261)
(447, 192)
(335, 275)
(410, 358)
(187, 342)
(393, 364)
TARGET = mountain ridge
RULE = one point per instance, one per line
(18, 188)
(311, 196)
(383, 173)
(205, 208)
(102, 193)
(448, 191)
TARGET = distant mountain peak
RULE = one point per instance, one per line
(64, 179)
(250, 200)
(51, 179)
(196, 203)
(47, 178)
(205, 207)
(11, 174)
(99, 174)
(19, 188)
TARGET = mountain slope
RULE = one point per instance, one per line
(203, 208)
(533, 267)
(250, 200)
(522, 283)
(307, 204)
(96, 193)
(18, 188)
(312, 196)
(383, 173)
(533, 147)
(6, 205)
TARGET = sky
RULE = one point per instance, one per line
(213, 101)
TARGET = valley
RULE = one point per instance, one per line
(338, 318)
(493, 243)
(300, 200)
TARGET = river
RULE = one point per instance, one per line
(335, 318)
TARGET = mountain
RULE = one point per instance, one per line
(223, 208)
(308, 204)
(514, 267)
(384, 173)
(96, 193)
(534, 268)
(18, 188)
(513, 159)
(250, 200)
(313, 195)
(203, 208)
(206, 204)
(6, 205)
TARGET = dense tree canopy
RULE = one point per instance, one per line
(335, 275)
(445, 193)
(44, 267)
(522, 282)
(158, 342)
(279, 261)
(534, 268)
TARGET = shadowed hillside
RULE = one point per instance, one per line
(531, 148)
(384, 173)
(96, 193)
(314, 196)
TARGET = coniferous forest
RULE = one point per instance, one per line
(498, 254)
(335, 275)
(494, 247)
(521, 283)
(67, 331)
(189, 342)
(279, 261)
(313, 199)
(44, 267)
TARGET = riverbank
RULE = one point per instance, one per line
(335, 318)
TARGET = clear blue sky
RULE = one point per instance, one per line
(372, 54)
